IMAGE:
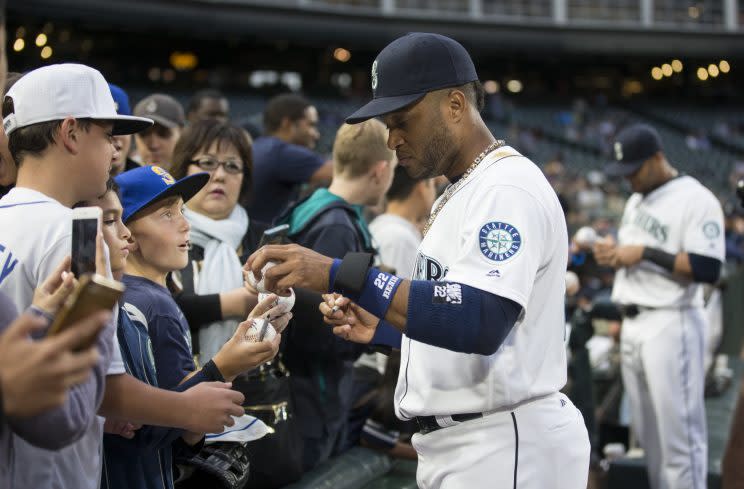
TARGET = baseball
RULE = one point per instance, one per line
(254, 332)
(285, 303)
(572, 283)
(259, 284)
(585, 236)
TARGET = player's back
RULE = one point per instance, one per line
(503, 231)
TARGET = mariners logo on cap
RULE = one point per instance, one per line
(166, 177)
(374, 76)
(499, 241)
(151, 106)
(619, 151)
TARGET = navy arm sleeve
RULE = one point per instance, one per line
(705, 269)
(458, 317)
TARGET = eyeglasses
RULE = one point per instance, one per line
(231, 167)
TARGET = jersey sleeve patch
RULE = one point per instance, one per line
(711, 230)
(499, 241)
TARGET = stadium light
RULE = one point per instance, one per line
(41, 39)
(656, 73)
(46, 52)
(183, 61)
(713, 70)
(666, 69)
(169, 75)
(18, 45)
(514, 86)
(491, 86)
(677, 65)
(702, 73)
(724, 66)
(342, 55)
(153, 73)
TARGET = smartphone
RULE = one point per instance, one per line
(86, 224)
(275, 235)
(93, 293)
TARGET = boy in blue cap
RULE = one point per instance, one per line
(151, 325)
(123, 143)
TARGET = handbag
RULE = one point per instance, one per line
(276, 459)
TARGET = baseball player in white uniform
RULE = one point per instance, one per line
(670, 241)
(482, 348)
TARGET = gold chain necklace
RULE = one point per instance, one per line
(452, 188)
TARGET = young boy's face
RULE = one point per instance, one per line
(95, 157)
(115, 233)
(161, 235)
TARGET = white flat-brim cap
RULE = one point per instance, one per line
(56, 92)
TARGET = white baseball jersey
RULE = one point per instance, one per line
(680, 216)
(36, 236)
(503, 231)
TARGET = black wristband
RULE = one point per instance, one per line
(212, 372)
(659, 257)
(352, 274)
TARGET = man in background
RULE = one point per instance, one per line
(208, 104)
(284, 159)
(155, 145)
(397, 232)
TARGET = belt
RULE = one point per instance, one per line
(427, 424)
(629, 310)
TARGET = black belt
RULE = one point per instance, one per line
(632, 310)
(427, 424)
(629, 310)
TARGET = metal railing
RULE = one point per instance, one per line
(650, 14)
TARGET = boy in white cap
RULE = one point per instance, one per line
(60, 121)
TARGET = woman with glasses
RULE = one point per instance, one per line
(212, 295)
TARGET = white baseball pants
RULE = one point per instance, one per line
(542, 444)
(662, 368)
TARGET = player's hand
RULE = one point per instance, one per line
(211, 406)
(604, 251)
(36, 375)
(349, 321)
(628, 255)
(55, 290)
(295, 267)
(120, 427)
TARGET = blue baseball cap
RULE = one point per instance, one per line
(410, 67)
(145, 185)
(632, 147)
(121, 100)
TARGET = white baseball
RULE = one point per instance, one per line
(285, 304)
(254, 331)
(259, 284)
(572, 283)
(585, 236)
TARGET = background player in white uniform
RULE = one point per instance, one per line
(670, 240)
(483, 355)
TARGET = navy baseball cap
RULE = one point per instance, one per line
(632, 147)
(145, 185)
(121, 100)
(410, 67)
